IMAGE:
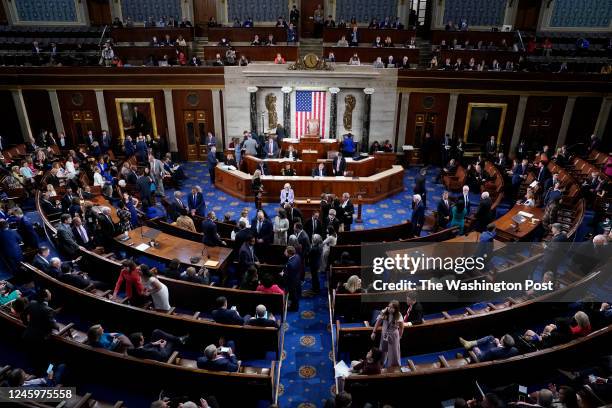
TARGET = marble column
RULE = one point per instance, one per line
(367, 107)
(403, 122)
(450, 116)
(57, 114)
(252, 90)
(333, 113)
(216, 103)
(602, 118)
(22, 115)
(101, 109)
(171, 136)
(286, 90)
(567, 117)
(518, 125)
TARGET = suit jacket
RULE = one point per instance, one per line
(551, 196)
(65, 241)
(242, 236)
(443, 212)
(41, 263)
(48, 208)
(491, 147)
(144, 187)
(293, 271)
(262, 322)
(152, 352)
(483, 213)
(198, 204)
(41, 321)
(107, 226)
(347, 212)
(335, 223)
(67, 202)
(311, 229)
(229, 363)
(25, 228)
(315, 172)
(304, 242)
(132, 177)
(266, 232)
(176, 206)
(129, 148)
(543, 175)
(419, 185)
(79, 239)
(517, 172)
(211, 160)
(294, 153)
(246, 257)
(271, 152)
(263, 168)
(335, 170)
(418, 215)
(227, 316)
(211, 237)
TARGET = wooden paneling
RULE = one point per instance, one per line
(203, 10)
(38, 106)
(543, 116)
(307, 8)
(99, 12)
(191, 100)
(11, 131)
(510, 100)
(422, 103)
(76, 102)
(527, 15)
(583, 120)
(160, 109)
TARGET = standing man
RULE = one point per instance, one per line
(466, 198)
(212, 163)
(418, 215)
(446, 148)
(157, 172)
(211, 140)
(338, 165)
(294, 15)
(271, 148)
(444, 211)
(348, 209)
(491, 147)
(105, 141)
(196, 202)
(292, 275)
(10, 240)
(419, 185)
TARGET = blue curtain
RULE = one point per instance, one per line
(365, 10)
(140, 10)
(476, 12)
(41, 10)
(582, 13)
(258, 10)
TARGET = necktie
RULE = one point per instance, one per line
(337, 165)
(258, 226)
(252, 255)
(194, 199)
(83, 234)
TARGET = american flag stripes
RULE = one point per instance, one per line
(309, 105)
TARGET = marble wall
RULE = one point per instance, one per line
(351, 80)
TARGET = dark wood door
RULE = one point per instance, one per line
(527, 15)
(195, 133)
(307, 8)
(203, 10)
(99, 12)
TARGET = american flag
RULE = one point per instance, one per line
(309, 105)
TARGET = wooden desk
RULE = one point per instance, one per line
(254, 53)
(368, 35)
(373, 188)
(323, 146)
(504, 224)
(245, 34)
(141, 53)
(487, 55)
(145, 34)
(171, 247)
(474, 36)
(367, 55)
(360, 168)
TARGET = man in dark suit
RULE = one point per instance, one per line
(246, 255)
(209, 229)
(105, 141)
(224, 315)
(491, 147)
(302, 238)
(49, 208)
(553, 252)
(263, 168)
(90, 138)
(132, 177)
(446, 148)
(144, 183)
(215, 360)
(262, 318)
(212, 163)
(314, 225)
(319, 171)
(244, 234)
(292, 275)
(106, 233)
(176, 206)
(80, 233)
(66, 244)
(263, 229)
(25, 228)
(419, 185)
(519, 173)
(501, 161)
(553, 195)
(414, 313)
(67, 199)
(418, 215)
(550, 183)
(41, 260)
(196, 202)
(444, 211)
(332, 220)
(465, 195)
(543, 174)
(293, 215)
(159, 348)
(483, 213)
(347, 210)
(271, 150)
(338, 165)
(40, 319)
(128, 146)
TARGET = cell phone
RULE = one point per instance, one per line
(522, 389)
(592, 379)
(224, 349)
(50, 369)
(233, 308)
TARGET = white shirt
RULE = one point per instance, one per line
(98, 180)
(83, 233)
(70, 170)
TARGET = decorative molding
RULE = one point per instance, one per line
(334, 90)
(286, 89)
(252, 89)
(369, 91)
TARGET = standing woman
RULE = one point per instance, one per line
(125, 217)
(281, 226)
(257, 188)
(153, 287)
(329, 242)
(392, 329)
(458, 212)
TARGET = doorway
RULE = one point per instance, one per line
(99, 12)
(195, 133)
(203, 10)
(307, 8)
(527, 15)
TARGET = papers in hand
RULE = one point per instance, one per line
(525, 214)
(341, 370)
(533, 183)
(142, 247)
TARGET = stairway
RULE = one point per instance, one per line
(425, 53)
(197, 46)
(311, 46)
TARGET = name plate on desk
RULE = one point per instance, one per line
(142, 247)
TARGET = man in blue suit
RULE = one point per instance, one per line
(105, 141)
(262, 229)
(142, 150)
(196, 202)
(292, 275)
(418, 215)
(9, 242)
(25, 228)
(553, 195)
(218, 359)
(209, 229)
(212, 163)
(128, 146)
(519, 173)
(224, 315)
(271, 149)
